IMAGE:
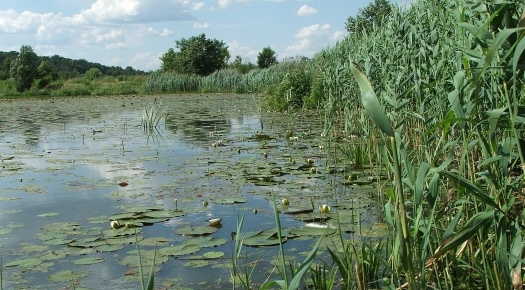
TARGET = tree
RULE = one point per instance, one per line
(372, 14)
(24, 68)
(93, 73)
(45, 74)
(266, 58)
(196, 55)
(241, 67)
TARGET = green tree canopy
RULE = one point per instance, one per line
(266, 58)
(93, 73)
(24, 68)
(196, 55)
(372, 14)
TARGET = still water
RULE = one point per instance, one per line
(68, 165)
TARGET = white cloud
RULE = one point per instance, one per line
(247, 53)
(146, 61)
(338, 35)
(154, 32)
(201, 25)
(25, 22)
(313, 38)
(299, 46)
(313, 30)
(306, 10)
(226, 3)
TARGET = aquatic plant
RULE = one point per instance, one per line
(154, 116)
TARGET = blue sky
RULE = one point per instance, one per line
(138, 32)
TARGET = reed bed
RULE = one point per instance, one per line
(437, 91)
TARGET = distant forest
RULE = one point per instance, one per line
(66, 68)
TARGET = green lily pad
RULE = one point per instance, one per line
(196, 264)
(109, 248)
(141, 209)
(164, 214)
(7, 198)
(294, 210)
(48, 214)
(212, 255)
(68, 276)
(88, 261)
(209, 242)
(262, 238)
(231, 200)
(180, 250)
(25, 263)
(313, 230)
(5, 231)
(196, 230)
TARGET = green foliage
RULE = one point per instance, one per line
(266, 58)
(24, 68)
(196, 55)
(370, 17)
(241, 67)
(293, 90)
(93, 73)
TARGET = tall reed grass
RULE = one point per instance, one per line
(442, 81)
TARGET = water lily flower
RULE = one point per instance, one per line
(214, 222)
(115, 225)
(324, 208)
(285, 202)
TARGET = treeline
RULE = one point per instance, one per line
(65, 68)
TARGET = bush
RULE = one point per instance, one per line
(292, 91)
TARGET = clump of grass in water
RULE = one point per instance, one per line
(152, 117)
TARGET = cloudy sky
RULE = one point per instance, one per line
(138, 32)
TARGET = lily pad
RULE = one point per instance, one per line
(196, 263)
(25, 263)
(88, 261)
(231, 200)
(68, 276)
(196, 230)
(262, 238)
(313, 230)
(213, 255)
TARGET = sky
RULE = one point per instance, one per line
(137, 32)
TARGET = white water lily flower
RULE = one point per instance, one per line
(324, 208)
(115, 225)
(214, 222)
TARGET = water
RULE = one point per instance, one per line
(63, 160)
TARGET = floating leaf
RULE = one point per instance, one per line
(68, 276)
(196, 263)
(313, 230)
(196, 230)
(231, 200)
(263, 239)
(48, 214)
(213, 255)
(88, 261)
(25, 263)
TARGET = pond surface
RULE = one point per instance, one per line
(71, 166)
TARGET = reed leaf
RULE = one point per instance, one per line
(479, 220)
(470, 187)
(373, 109)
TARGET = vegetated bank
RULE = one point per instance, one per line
(449, 79)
